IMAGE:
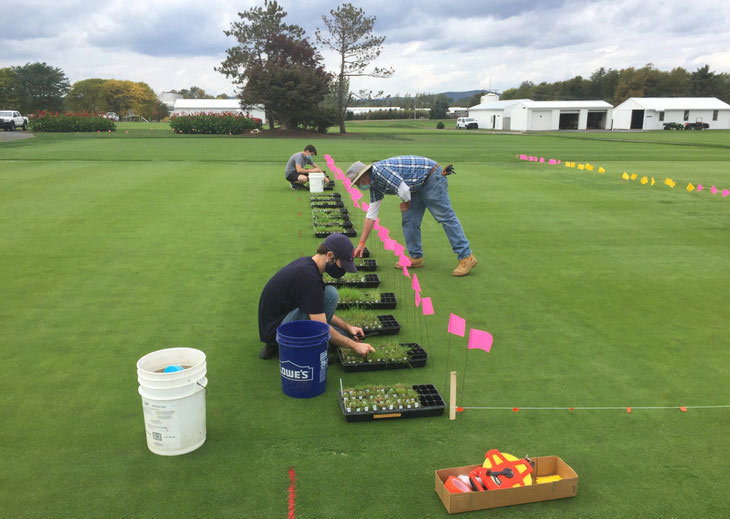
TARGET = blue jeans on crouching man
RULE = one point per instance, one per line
(331, 298)
(434, 196)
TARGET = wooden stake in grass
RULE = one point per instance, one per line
(452, 397)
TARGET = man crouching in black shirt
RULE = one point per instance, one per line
(297, 293)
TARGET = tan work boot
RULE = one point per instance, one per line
(465, 265)
(416, 263)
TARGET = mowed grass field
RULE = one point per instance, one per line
(598, 292)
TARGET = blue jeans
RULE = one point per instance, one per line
(434, 196)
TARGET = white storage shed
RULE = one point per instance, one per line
(494, 114)
(218, 106)
(560, 115)
(651, 113)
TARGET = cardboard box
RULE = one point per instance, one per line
(544, 466)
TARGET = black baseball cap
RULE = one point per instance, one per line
(342, 248)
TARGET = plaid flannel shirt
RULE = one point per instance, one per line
(388, 174)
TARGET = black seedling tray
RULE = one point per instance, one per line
(344, 222)
(371, 281)
(329, 186)
(327, 203)
(366, 253)
(389, 326)
(347, 232)
(367, 265)
(430, 404)
(345, 213)
(328, 196)
(417, 358)
(387, 302)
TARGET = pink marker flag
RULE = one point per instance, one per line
(385, 229)
(523, 157)
(389, 244)
(713, 190)
(376, 225)
(542, 159)
(479, 339)
(415, 285)
(427, 306)
(398, 251)
(405, 271)
(364, 206)
(552, 162)
(418, 299)
(725, 192)
(356, 204)
(383, 234)
(700, 187)
(347, 183)
(355, 194)
(405, 261)
(457, 325)
(558, 161)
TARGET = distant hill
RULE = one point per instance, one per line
(455, 96)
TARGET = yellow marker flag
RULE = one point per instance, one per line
(581, 166)
(601, 170)
(633, 176)
(652, 181)
(625, 176)
(644, 180)
(671, 183)
(690, 187)
(589, 167)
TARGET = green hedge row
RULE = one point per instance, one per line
(213, 123)
(58, 122)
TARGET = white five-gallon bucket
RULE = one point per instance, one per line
(316, 182)
(173, 403)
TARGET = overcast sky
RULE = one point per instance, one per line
(433, 45)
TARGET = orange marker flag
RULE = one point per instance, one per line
(625, 176)
(671, 183)
(690, 187)
(644, 180)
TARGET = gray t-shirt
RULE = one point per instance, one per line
(298, 159)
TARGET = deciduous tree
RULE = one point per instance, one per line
(39, 86)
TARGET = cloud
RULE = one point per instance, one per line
(433, 45)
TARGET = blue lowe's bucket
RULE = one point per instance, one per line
(303, 357)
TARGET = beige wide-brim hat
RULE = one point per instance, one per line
(357, 170)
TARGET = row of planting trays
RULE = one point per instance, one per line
(329, 215)
(359, 302)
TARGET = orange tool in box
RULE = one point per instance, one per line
(501, 470)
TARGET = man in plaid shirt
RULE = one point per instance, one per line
(421, 184)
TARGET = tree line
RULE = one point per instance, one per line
(616, 86)
(36, 87)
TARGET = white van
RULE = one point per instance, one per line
(467, 123)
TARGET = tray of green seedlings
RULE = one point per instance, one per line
(340, 211)
(331, 220)
(329, 186)
(353, 280)
(323, 231)
(388, 354)
(368, 403)
(334, 203)
(324, 196)
(366, 265)
(365, 298)
(370, 322)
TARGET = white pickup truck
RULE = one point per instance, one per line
(10, 119)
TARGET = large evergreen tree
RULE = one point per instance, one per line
(349, 34)
(274, 64)
(39, 86)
